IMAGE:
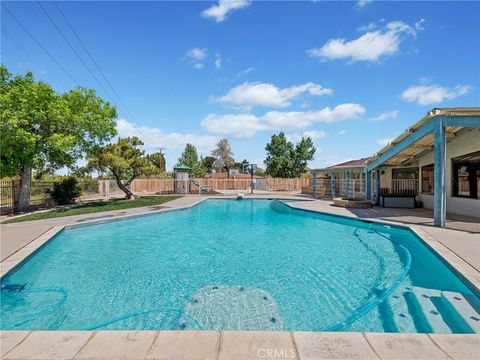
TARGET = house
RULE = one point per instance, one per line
(435, 161)
(435, 164)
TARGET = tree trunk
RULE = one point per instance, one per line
(26, 182)
(128, 193)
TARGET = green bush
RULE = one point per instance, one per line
(66, 191)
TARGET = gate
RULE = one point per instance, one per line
(261, 184)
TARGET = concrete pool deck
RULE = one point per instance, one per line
(459, 245)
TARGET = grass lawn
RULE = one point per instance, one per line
(95, 207)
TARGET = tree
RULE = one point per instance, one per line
(279, 159)
(304, 152)
(286, 160)
(189, 156)
(158, 161)
(124, 160)
(43, 130)
(208, 162)
(223, 155)
(242, 166)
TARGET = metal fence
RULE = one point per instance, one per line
(7, 195)
(40, 193)
(355, 188)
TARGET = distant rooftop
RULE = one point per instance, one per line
(358, 163)
(350, 163)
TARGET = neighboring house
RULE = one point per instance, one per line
(332, 181)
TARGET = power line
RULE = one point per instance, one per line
(73, 49)
(93, 60)
(85, 48)
(40, 45)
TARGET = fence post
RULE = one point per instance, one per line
(332, 185)
(314, 185)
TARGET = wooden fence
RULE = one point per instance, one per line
(268, 184)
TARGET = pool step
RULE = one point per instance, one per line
(462, 308)
(423, 301)
(402, 320)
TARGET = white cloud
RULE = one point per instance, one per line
(384, 141)
(246, 125)
(246, 71)
(197, 53)
(313, 134)
(362, 3)
(419, 24)
(371, 46)
(342, 132)
(220, 11)
(218, 61)
(155, 138)
(369, 27)
(433, 94)
(386, 116)
(263, 94)
(196, 56)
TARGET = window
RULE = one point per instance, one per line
(427, 179)
(466, 174)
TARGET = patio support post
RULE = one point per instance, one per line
(377, 186)
(368, 185)
(439, 195)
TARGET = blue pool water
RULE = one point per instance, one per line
(237, 265)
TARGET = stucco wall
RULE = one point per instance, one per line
(462, 144)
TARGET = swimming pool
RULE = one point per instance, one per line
(237, 265)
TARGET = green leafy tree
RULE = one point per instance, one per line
(242, 166)
(286, 160)
(158, 161)
(304, 152)
(208, 162)
(189, 156)
(223, 156)
(43, 130)
(279, 159)
(125, 160)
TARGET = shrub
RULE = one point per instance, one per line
(66, 191)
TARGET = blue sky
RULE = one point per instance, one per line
(349, 74)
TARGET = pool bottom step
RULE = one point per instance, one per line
(457, 303)
(417, 309)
